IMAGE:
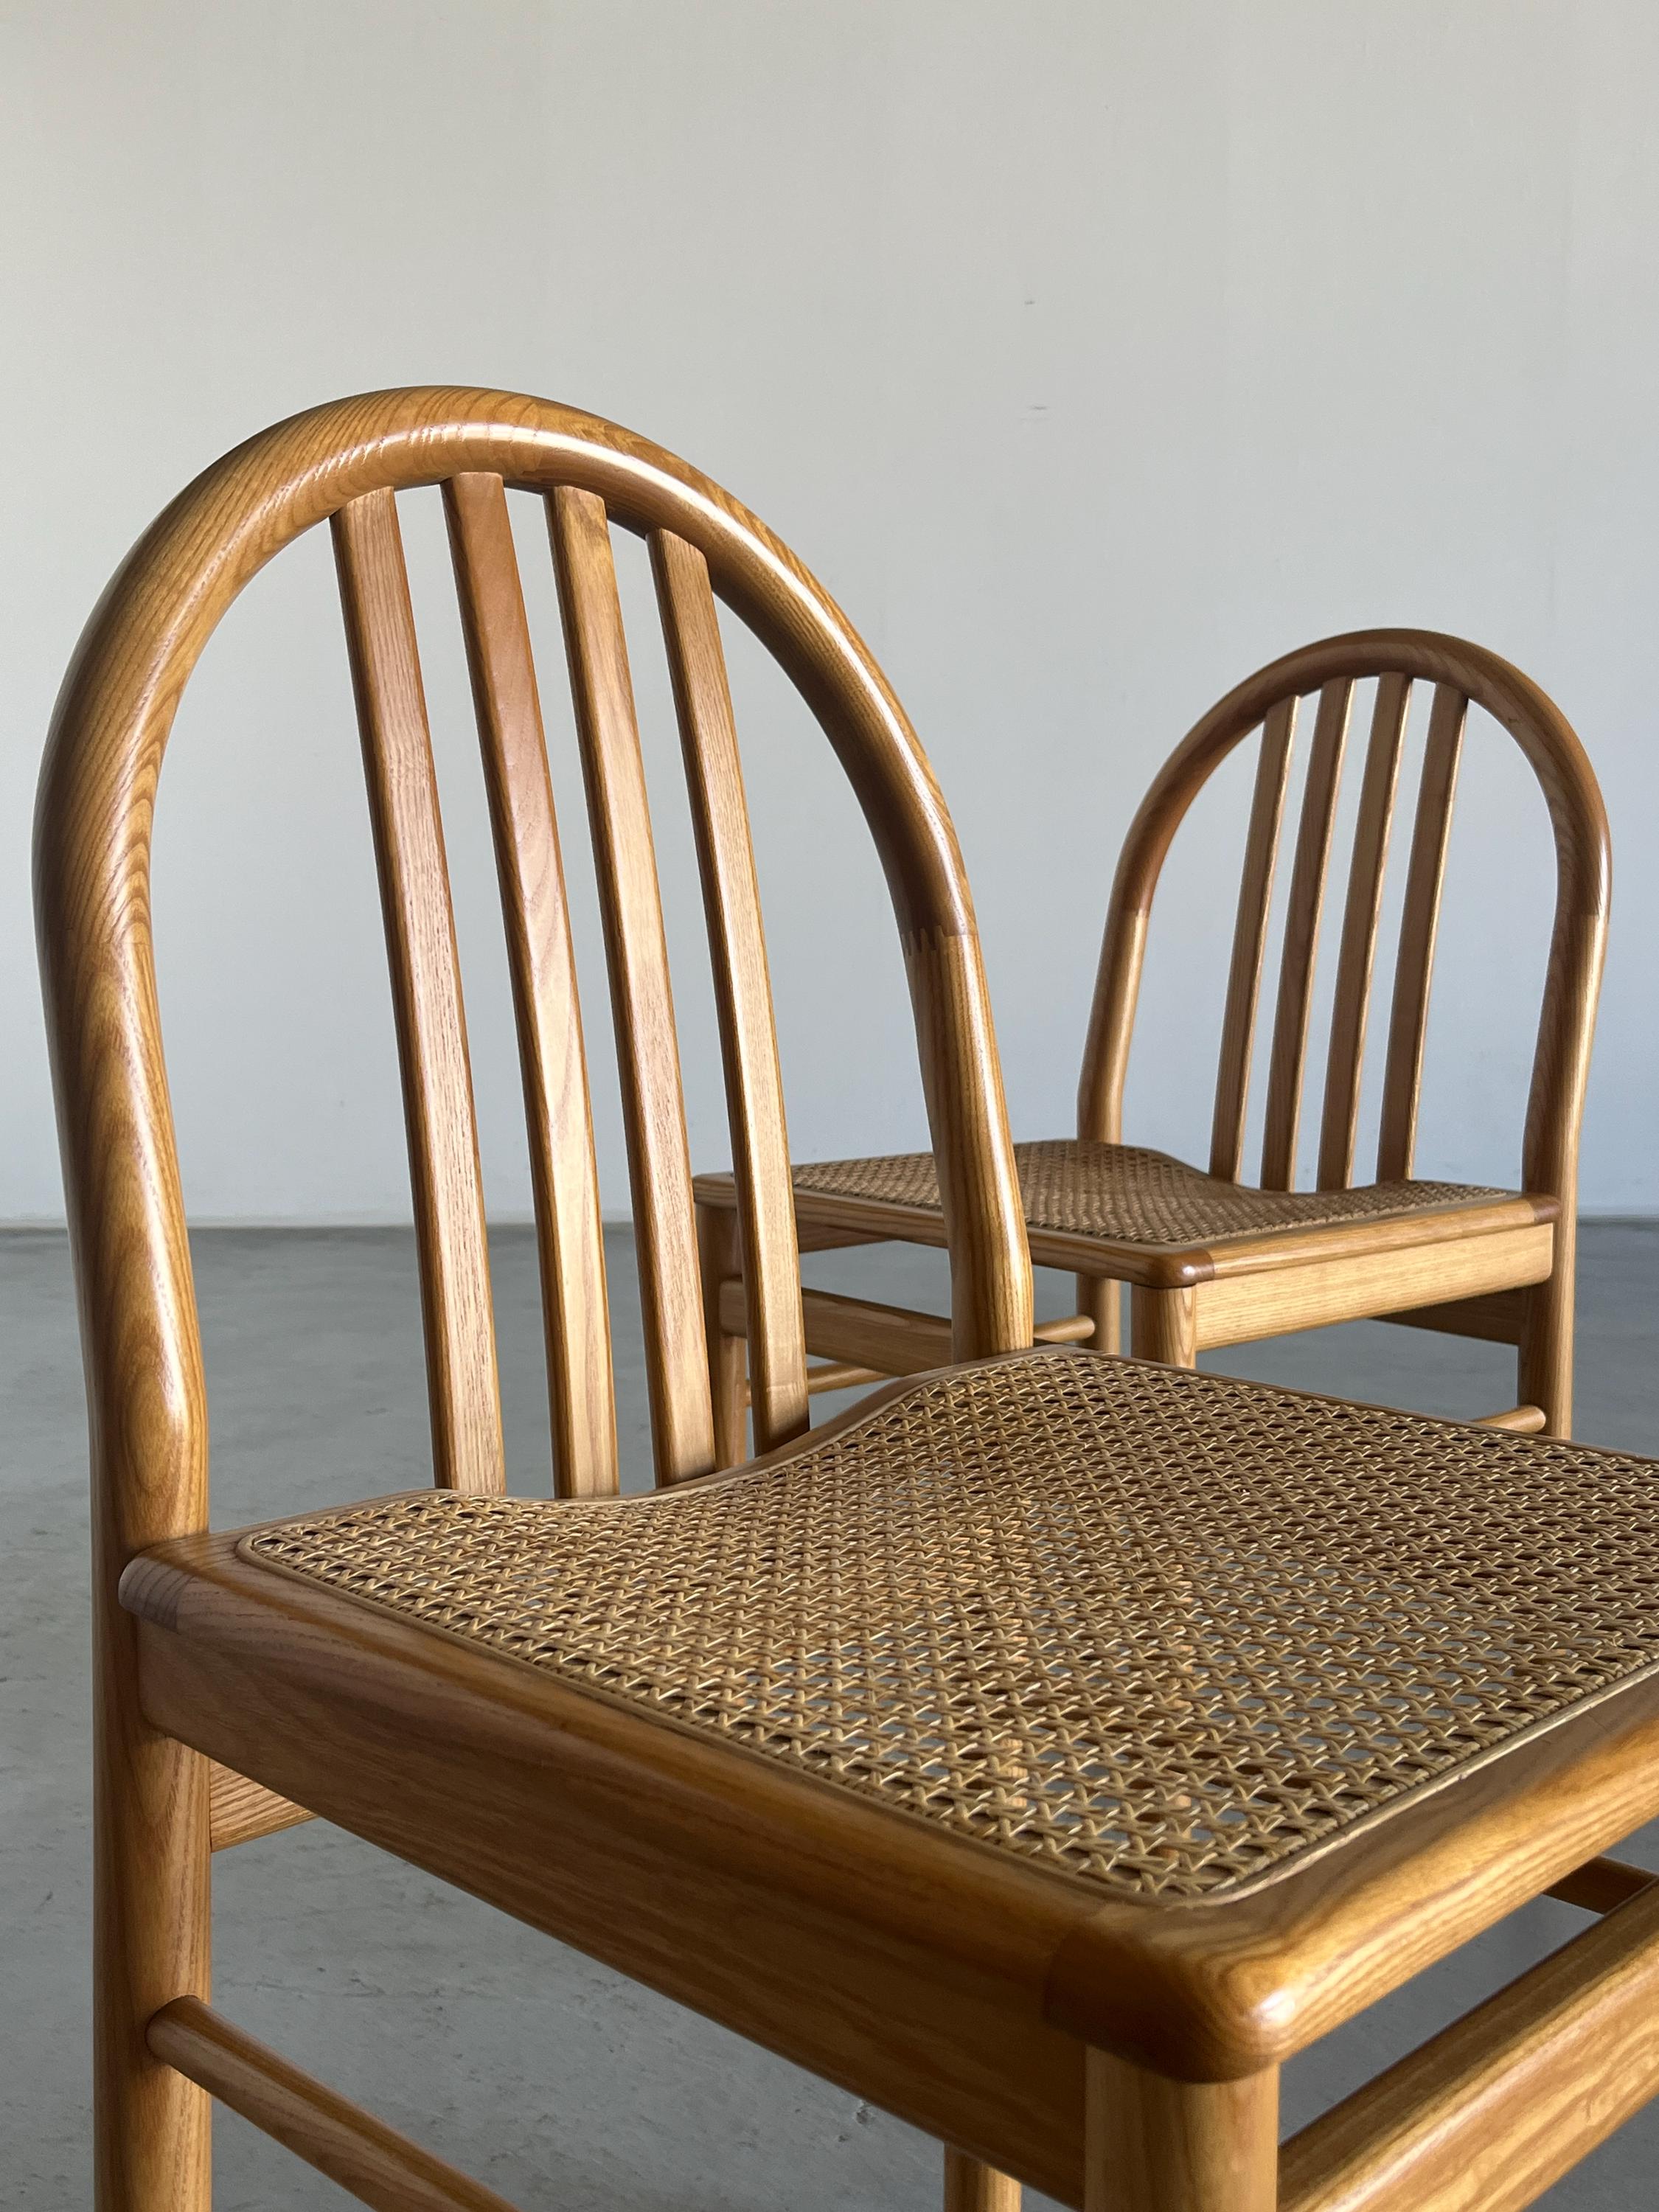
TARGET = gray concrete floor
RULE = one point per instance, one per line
(543, 2073)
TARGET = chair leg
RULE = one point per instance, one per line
(1163, 1326)
(728, 1356)
(1544, 1366)
(971, 2187)
(1102, 1299)
(151, 2130)
(1154, 2145)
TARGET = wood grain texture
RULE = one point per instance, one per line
(239, 1810)
(839, 1374)
(1100, 1301)
(1156, 2145)
(350, 460)
(940, 1980)
(564, 1179)
(373, 2162)
(1494, 1319)
(1232, 1087)
(1577, 819)
(1163, 1325)
(743, 990)
(721, 1266)
(971, 2187)
(1267, 703)
(1174, 1266)
(1395, 659)
(812, 1921)
(426, 990)
(253, 1664)
(1339, 1128)
(1419, 923)
(1488, 2113)
(876, 1341)
(642, 998)
(1521, 1420)
(1299, 951)
(1238, 1308)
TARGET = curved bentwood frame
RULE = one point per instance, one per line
(1539, 1317)
(157, 1802)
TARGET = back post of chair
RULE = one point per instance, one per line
(1267, 706)
(345, 464)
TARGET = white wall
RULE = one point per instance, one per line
(1090, 353)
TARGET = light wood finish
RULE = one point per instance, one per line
(743, 992)
(1100, 1299)
(1534, 1313)
(720, 1263)
(1234, 1310)
(426, 976)
(744, 1890)
(1164, 1325)
(1296, 966)
(1409, 1021)
(647, 1051)
(1340, 1125)
(346, 463)
(968, 1990)
(1488, 2113)
(822, 1217)
(1232, 1088)
(845, 1326)
(361, 2155)
(240, 1810)
(1162, 2146)
(971, 2187)
(1523, 1420)
(570, 1241)
(808, 1920)
(839, 1374)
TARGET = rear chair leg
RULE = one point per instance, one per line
(1154, 2145)
(728, 1356)
(971, 2187)
(1163, 1326)
(1102, 1299)
(150, 1934)
(1544, 1366)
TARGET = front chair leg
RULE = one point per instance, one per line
(150, 2126)
(720, 1259)
(971, 2187)
(1154, 2145)
(1163, 1326)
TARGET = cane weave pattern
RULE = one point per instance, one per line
(1132, 1196)
(1164, 1630)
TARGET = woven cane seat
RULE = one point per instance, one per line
(1132, 1196)
(1163, 1632)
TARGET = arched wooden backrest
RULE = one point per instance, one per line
(1271, 703)
(345, 464)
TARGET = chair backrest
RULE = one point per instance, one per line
(346, 462)
(1267, 706)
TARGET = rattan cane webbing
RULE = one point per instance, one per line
(1133, 1196)
(1163, 1629)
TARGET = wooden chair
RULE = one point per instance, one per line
(1210, 1259)
(1044, 1751)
